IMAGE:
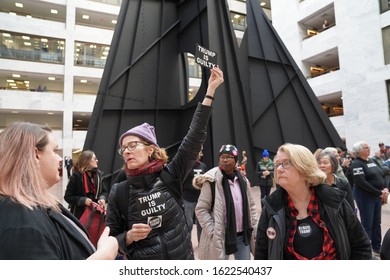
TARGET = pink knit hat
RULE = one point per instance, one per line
(144, 131)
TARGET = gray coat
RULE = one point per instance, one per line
(212, 218)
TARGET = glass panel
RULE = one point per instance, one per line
(388, 94)
(384, 5)
(31, 48)
(238, 21)
(386, 43)
(90, 54)
(194, 69)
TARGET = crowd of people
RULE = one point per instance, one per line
(324, 205)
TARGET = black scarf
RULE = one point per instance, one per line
(230, 230)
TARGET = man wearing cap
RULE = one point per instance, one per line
(225, 210)
(265, 173)
(145, 211)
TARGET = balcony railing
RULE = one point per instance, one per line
(32, 55)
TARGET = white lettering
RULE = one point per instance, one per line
(358, 171)
(205, 63)
(206, 51)
(149, 197)
(153, 210)
(197, 172)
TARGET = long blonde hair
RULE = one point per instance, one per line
(20, 176)
(304, 162)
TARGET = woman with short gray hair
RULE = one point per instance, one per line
(369, 192)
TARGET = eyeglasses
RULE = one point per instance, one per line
(285, 164)
(226, 157)
(131, 146)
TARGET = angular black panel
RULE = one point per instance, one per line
(145, 78)
(230, 119)
(264, 102)
(284, 107)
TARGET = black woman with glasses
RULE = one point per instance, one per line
(306, 219)
(145, 211)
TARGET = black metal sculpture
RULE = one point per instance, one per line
(264, 102)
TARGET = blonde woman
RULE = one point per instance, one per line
(304, 218)
(34, 225)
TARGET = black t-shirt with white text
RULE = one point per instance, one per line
(368, 177)
(308, 238)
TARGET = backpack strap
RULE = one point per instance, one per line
(122, 199)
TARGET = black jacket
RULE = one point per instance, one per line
(350, 238)
(189, 192)
(343, 184)
(385, 248)
(75, 194)
(40, 234)
(151, 198)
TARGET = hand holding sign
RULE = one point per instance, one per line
(216, 78)
(137, 232)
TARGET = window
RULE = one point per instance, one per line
(238, 21)
(31, 48)
(194, 69)
(388, 94)
(384, 5)
(386, 43)
(91, 54)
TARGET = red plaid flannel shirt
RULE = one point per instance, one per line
(328, 247)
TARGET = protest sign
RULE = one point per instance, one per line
(205, 57)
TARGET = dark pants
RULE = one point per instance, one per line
(370, 209)
(189, 212)
(265, 188)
